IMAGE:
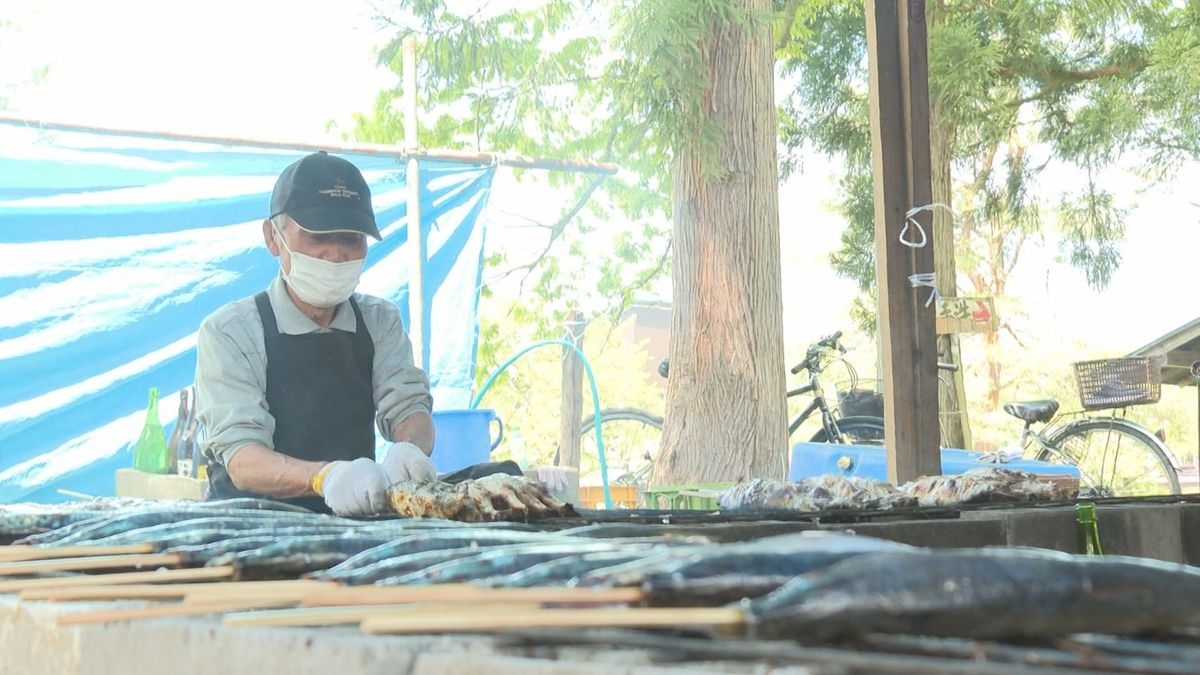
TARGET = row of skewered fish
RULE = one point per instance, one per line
(805, 586)
(832, 492)
(493, 498)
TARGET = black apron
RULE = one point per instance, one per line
(320, 393)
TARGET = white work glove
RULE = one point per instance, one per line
(405, 461)
(553, 477)
(357, 488)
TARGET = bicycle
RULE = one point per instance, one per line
(636, 431)
(1115, 456)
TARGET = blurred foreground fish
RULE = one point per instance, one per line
(982, 593)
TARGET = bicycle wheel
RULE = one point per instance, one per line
(856, 429)
(631, 438)
(1115, 458)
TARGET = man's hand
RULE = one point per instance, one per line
(357, 488)
(405, 461)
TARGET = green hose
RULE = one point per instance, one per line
(487, 384)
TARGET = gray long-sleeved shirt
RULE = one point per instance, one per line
(231, 368)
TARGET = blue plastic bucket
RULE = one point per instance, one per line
(464, 437)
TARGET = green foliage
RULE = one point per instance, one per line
(619, 81)
(1020, 85)
(1040, 103)
(36, 76)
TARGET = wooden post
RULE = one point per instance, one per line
(572, 395)
(416, 270)
(899, 95)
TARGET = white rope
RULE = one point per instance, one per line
(910, 219)
(922, 279)
(926, 280)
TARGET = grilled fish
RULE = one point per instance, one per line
(471, 539)
(298, 556)
(24, 520)
(985, 484)
(495, 562)
(120, 522)
(983, 593)
(817, 493)
(398, 566)
(498, 497)
(563, 570)
(783, 556)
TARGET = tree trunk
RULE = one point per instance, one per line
(952, 414)
(726, 415)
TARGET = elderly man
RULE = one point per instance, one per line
(290, 381)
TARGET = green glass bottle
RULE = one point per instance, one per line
(150, 453)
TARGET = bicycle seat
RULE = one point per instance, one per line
(1032, 411)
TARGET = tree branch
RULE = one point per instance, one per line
(644, 278)
(1058, 80)
(789, 18)
(556, 231)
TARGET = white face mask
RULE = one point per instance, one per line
(318, 282)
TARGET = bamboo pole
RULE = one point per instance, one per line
(150, 577)
(21, 553)
(466, 621)
(416, 242)
(465, 157)
(99, 562)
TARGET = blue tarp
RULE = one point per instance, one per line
(113, 249)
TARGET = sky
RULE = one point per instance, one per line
(287, 71)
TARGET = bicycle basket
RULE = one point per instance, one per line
(1116, 383)
(860, 397)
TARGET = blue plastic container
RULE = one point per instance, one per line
(464, 437)
(870, 461)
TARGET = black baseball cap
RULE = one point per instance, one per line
(323, 193)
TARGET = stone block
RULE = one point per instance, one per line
(1146, 530)
(932, 533)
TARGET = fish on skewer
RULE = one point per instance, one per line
(785, 556)
(398, 566)
(295, 557)
(470, 539)
(495, 562)
(982, 593)
(562, 570)
(120, 522)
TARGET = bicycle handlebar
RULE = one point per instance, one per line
(831, 341)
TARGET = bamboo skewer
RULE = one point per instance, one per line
(23, 553)
(329, 616)
(196, 592)
(468, 593)
(90, 563)
(172, 610)
(293, 590)
(466, 621)
(222, 573)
